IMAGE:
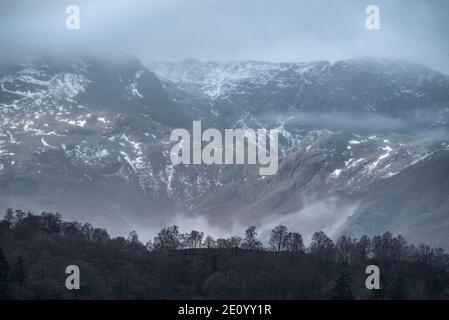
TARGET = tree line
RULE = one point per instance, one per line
(344, 250)
(35, 249)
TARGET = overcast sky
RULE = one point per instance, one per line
(271, 30)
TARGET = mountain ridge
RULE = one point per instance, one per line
(90, 136)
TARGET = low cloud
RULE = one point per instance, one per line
(327, 215)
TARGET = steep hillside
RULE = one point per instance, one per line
(90, 136)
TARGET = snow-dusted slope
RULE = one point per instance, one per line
(395, 115)
(386, 88)
(89, 137)
(215, 79)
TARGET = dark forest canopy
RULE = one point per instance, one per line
(36, 249)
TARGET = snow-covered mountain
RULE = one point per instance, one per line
(85, 136)
(90, 137)
(306, 92)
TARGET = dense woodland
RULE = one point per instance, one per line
(36, 249)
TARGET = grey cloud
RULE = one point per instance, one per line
(281, 30)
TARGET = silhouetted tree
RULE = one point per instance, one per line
(19, 215)
(279, 237)
(345, 249)
(294, 242)
(71, 229)
(100, 235)
(425, 253)
(398, 248)
(119, 268)
(87, 231)
(223, 243)
(440, 258)
(322, 246)
(250, 241)
(234, 242)
(51, 223)
(209, 242)
(133, 238)
(168, 239)
(363, 249)
(192, 240)
(9, 216)
(387, 247)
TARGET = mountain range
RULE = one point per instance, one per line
(364, 144)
